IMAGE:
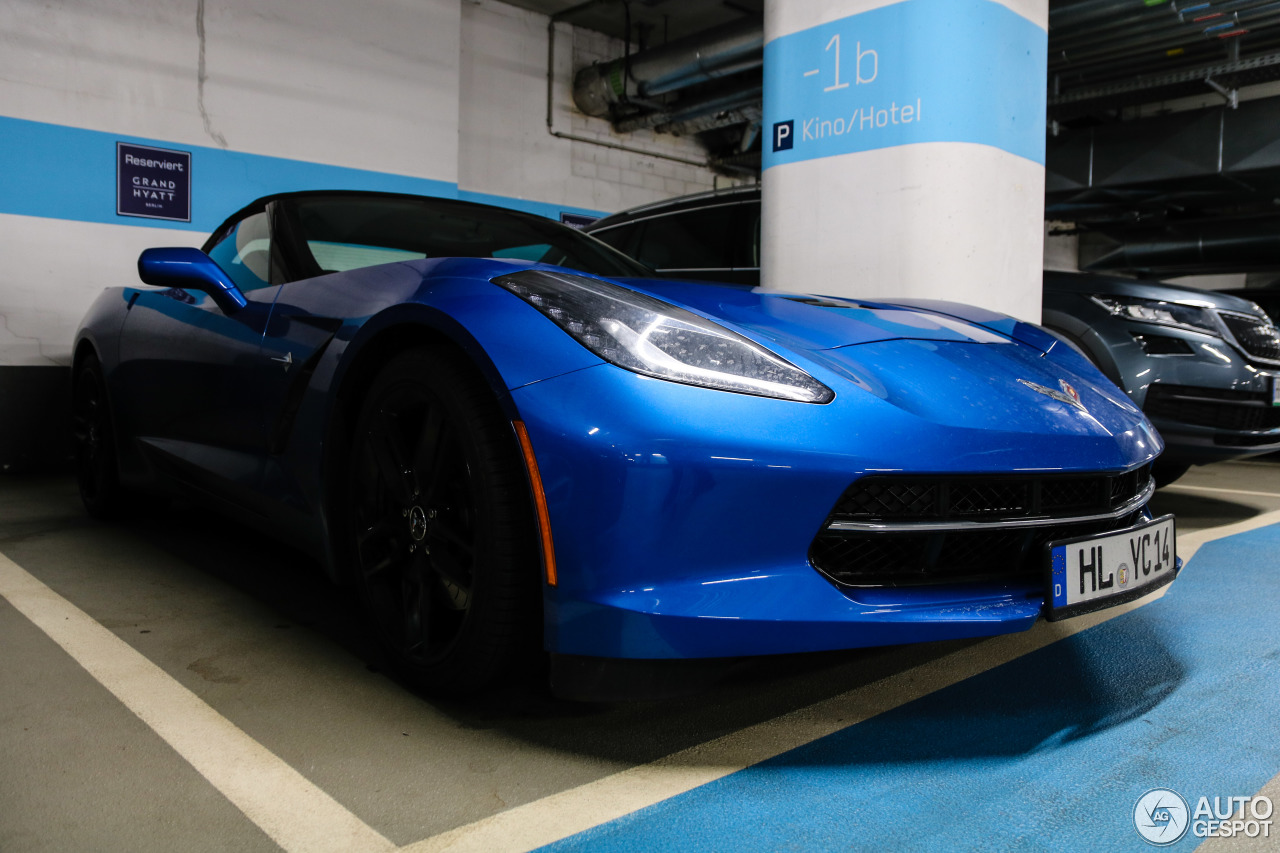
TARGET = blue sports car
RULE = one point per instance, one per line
(509, 439)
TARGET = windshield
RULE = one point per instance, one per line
(342, 232)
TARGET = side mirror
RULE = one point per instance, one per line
(190, 269)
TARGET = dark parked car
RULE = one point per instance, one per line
(1201, 364)
(711, 236)
(1266, 297)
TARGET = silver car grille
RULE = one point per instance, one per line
(1256, 336)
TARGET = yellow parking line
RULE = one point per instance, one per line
(296, 814)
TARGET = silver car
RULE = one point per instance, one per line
(1202, 365)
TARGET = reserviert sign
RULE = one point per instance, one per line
(154, 183)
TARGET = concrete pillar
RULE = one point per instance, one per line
(905, 155)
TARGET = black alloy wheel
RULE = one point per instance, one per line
(442, 532)
(97, 473)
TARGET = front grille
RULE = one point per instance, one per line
(913, 559)
(880, 498)
(1219, 408)
(1257, 336)
(988, 547)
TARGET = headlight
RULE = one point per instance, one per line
(1161, 313)
(649, 336)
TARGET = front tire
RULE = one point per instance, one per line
(441, 527)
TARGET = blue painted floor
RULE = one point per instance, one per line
(1048, 752)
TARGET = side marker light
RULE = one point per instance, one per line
(539, 503)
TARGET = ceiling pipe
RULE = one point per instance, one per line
(1166, 39)
(1138, 83)
(552, 22)
(748, 93)
(1099, 13)
(1218, 246)
(1155, 18)
(682, 63)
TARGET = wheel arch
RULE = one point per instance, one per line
(379, 340)
(1087, 341)
(84, 348)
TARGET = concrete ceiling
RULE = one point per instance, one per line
(1115, 67)
(653, 22)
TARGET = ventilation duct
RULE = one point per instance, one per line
(673, 117)
(695, 59)
(1223, 246)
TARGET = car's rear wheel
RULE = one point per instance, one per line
(97, 472)
(441, 526)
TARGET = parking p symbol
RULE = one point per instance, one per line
(782, 135)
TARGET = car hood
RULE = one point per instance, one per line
(808, 322)
(918, 356)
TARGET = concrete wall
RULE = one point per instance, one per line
(1061, 251)
(506, 148)
(440, 97)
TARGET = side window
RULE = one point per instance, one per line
(340, 257)
(697, 239)
(245, 253)
(622, 238)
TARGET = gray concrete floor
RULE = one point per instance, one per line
(253, 630)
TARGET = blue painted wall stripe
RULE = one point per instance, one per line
(1048, 752)
(916, 71)
(62, 172)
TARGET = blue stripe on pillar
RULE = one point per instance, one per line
(916, 71)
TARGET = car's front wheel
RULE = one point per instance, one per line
(441, 527)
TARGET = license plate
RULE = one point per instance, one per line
(1275, 390)
(1093, 572)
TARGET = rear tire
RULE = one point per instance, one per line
(97, 469)
(441, 527)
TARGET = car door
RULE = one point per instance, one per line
(189, 371)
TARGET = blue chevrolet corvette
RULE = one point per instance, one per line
(509, 438)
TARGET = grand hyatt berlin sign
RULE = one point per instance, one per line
(153, 182)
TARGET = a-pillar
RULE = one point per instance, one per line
(905, 150)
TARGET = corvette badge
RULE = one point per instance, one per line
(1068, 394)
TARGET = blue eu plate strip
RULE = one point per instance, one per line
(1048, 752)
(916, 71)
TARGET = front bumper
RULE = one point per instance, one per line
(1210, 402)
(1210, 423)
(683, 517)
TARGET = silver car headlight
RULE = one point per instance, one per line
(1176, 314)
(654, 338)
